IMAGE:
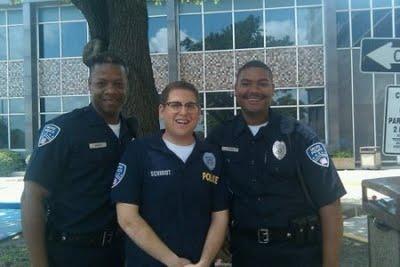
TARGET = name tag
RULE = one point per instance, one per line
(230, 149)
(160, 173)
(97, 145)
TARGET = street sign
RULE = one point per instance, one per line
(380, 55)
(391, 123)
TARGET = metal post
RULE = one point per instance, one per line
(172, 40)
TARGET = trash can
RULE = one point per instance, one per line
(381, 201)
(370, 157)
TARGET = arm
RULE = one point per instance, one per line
(141, 233)
(215, 237)
(34, 222)
(332, 231)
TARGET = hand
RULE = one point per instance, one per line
(199, 264)
(180, 262)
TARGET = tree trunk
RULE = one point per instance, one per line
(121, 27)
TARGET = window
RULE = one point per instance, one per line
(71, 13)
(50, 104)
(3, 132)
(397, 21)
(73, 38)
(359, 4)
(190, 33)
(342, 4)
(308, 2)
(222, 5)
(14, 17)
(218, 31)
(49, 41)
(216, 117)
(315, 117)
(343, 30)
(285, 97)
(311, 96)
(280, 28)
(158, 38)
(360, 21)
(17, 105)
(72, 102)
(3, 106)
(219, 99)
(249, 30)
(16, 41)
(48, 14)
(154, 9)
(382, 23)
(2, 18)
(3, 44)
(279, 3)
(188, 7)
(246, 4)
(309, 26)
(381, 3)
(17, 131)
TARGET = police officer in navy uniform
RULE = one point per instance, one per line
(171, 199)
(285, 190)
(68, 218)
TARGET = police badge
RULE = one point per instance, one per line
(119, 174)
(209, 160)
(279, 149)
(48, 134)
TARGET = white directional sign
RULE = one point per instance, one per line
(380, 55)
(391, 127)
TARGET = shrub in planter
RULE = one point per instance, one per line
(10, 161)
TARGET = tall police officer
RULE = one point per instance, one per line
(67, 216)
(285, 190)
(171, 200)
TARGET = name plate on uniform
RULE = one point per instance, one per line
(97, 145)
(230, 149)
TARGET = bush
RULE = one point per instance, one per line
(10, 161)
(342, 154)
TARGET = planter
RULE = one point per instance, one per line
(344, 163)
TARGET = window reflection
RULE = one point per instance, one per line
(47, 117)
(158, 38)
(72, 102)
(218, 31)
(15, 17)
(189, 7)
(343, 30)
(309, 26)
(315, 117)
(17, 131)
(308, 2)
(279, 3)
(3, 132)
(246, 4)
(49, 42)
(3, 106)
(280, 28)
(16, 36)
(219, 99)
(359, 4)
(17, 105)
(290, 112)
(2, 18)
(50, 104)
(342, 4)
(222, 5)
(215, 117)
(381, 3)
(397, 21)
(249, 29)
(154, 9)
(71, 13)
(382, 23)
(283, 97)
(48, 14)
(190, 33)
(311, 96)
(3, 45)
(73, 38)
(361, 27)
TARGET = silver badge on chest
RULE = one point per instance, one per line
(279, 149)
(209, 160)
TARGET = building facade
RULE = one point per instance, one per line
(312, 46)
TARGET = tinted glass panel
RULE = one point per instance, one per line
(218, 31)
(3, 132)
(15, 17)
(284, 97)
(311, 96)
(397, 2)
(291, 112)
(188, 7)
(310, 26)
(222, 5)
(219, 99)
(49, 42)
(72, 102)
(315, 117)
(154, 8)
(46, 117)
(2, 18)
(17, 132)
(279, 3)
(3, 44)
(249, 29)
(382, 23)
(50, 104)
(190, 33)
(343, 29)
(280, 28)
(48, 14)
(342, 4)
(308, 2)
(73, 38)
(396, 21)
(158, 35)
(17, 105)
(359, 4)
(361, 26)
(16, 42)
(71, 13)
(3, 106)
(246, 4)
(215, 117)
(381, 3)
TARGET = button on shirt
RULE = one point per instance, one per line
(75, 161)
(175, 198)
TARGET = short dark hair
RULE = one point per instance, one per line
(184, 85)
(254, 64)
(104, 58)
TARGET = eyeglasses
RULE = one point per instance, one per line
(177, 106)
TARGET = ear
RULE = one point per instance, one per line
(161, 109)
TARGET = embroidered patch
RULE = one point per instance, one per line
(209, 160)
(229, 149)
(119, 174)
(48, 134)
(318, 154)
(279, 149)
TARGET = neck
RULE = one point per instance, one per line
(180, 141)
(109, 118)
(255, 118)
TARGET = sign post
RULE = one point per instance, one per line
(391, 125)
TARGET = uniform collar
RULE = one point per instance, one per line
(158, 143)
(241, 126)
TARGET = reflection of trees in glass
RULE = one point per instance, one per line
(3, 134)
(17, 138)
(285, 41)
(286, 99)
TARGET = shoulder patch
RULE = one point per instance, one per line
(119, 174)
(48, 134)
(317, 153)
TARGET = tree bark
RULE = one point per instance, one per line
(120, 26)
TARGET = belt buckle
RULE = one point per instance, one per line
(107, 237)
(263, 236)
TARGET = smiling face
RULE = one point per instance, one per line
(107, 84)
(254, 90)
(180, 122)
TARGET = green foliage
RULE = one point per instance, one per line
(13, 253)
(10, 161)
(342, 154)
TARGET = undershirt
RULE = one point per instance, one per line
(183, 152)
(255, 128)
(115, 128)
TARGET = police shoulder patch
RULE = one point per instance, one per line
(119, 174)
(48, 134)
(318, 154)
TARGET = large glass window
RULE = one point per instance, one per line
(71, 13)
(222, 5)
(280, 27)
(219, 99)
(72, 102)
(49, 41)
(246, 4)
(2, 18)
(17, 131)
(279, 3)
(3, 132)
(249, 29)
(359, 4)
(381, 3)
(309, 26)
(158, 35)
(48, 14)
(311, 96)
(17, 105)
(188, 7)
(73, 38)
(308, 2)
(382, 23)
(218, 31)
(315, 117)
(15, 17)
(155, 9)
(190, 33)
(16, 42)
(3, 106)
(3, 43)
(397, 21)
(361, 26)
(343, 29)
(285, 97)
(342, 4)
(50, 104)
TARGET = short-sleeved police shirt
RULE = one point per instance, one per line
(175, 198)
(261, 171)
(75, 161)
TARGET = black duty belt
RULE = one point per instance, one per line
(264, 235)
(95, 239)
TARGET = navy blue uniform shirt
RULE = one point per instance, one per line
(261, 171)
(75, 161)
(175, 198)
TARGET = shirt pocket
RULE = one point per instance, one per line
(83, 154)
